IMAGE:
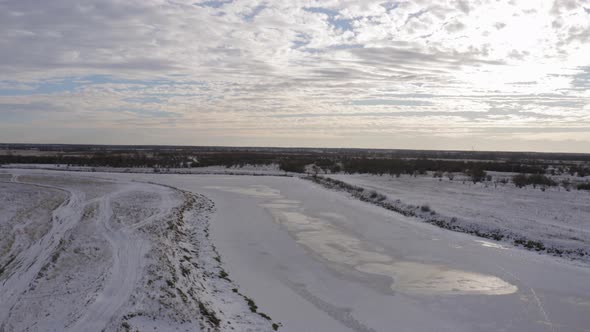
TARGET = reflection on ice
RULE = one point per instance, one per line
(336, 246)
(490, 244)
(420, 278)
(277, 205)
(339, 248)
(256, 190)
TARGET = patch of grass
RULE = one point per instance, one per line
(530, 244)
(497, 236)
(209, 315)
(185, 270)
(3, 267)
(182, 295)
(538, 246)
(262, 314)
(251, 304)
(224, 275)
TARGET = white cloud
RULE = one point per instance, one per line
(234, 66)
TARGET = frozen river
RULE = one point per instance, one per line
(317, 260)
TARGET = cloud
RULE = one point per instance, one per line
(500, 25)
(223, 65)
(463, 6)
(559, 6)
(455, 27)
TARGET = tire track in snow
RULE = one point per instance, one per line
(32, 259)
(129, 251)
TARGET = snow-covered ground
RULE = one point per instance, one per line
(311, 258)
(555, 217)
(79, 253)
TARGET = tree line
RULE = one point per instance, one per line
(298, 162)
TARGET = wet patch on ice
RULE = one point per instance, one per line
(336, 246)
(421, 278)
(276, 205)
(254, 190)
(490, 244)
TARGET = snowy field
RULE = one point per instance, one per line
(79, 253)
(554, 216)
(137, 252)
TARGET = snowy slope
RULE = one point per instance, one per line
(115, 255)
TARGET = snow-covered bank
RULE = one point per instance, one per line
(114, 256)
(553, 221)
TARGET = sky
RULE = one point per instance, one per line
(453, 75)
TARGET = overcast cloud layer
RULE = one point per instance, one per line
(486, 75)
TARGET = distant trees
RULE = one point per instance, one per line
(438, 163)
(522, 180)
(579, 170)
(292, 165)
(476, 174)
